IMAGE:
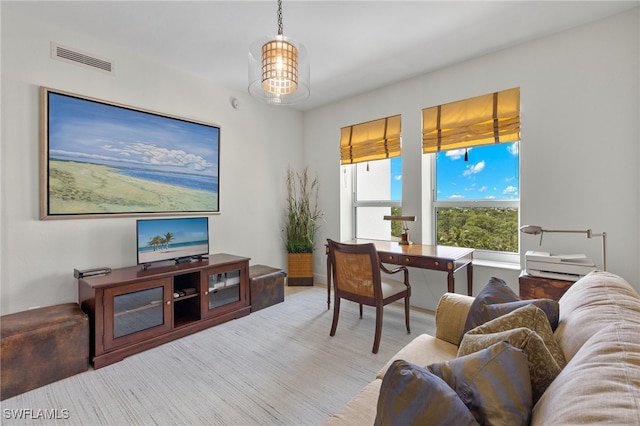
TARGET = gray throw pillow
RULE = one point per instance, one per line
(493, 383)
(412, 395)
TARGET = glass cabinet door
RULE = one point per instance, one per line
(135, 310)
(222, 289)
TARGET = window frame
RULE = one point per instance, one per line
(479, 254)
(365, 203)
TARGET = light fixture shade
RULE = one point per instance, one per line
(278, 70)
(279, 67)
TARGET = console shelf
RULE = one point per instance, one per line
(134, 309)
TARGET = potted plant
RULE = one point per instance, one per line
(302, 217)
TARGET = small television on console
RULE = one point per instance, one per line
(179, 239)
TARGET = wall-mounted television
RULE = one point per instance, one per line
(178, 239)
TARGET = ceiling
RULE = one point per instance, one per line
(354, 46)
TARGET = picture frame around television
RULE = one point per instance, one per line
(104, 159)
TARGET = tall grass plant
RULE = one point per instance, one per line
(302, 216)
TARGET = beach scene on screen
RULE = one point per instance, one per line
(164, 239)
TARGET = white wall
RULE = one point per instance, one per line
(580, 103)
(258, 143)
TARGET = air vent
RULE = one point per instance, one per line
(75, 56)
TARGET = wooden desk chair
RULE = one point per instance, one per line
(356, 271)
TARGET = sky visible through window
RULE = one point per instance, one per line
(396, 179)
(491, 173)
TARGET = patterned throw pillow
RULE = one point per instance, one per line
(493, 383)
(412, 395)
(526, 328)
(531, 317)
(496, 299)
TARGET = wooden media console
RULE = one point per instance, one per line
(134, 309)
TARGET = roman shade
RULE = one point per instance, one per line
(486, 119)
(373, 140)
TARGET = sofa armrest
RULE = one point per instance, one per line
(451, 314)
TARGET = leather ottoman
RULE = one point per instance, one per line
(266, 286)
(41, 346)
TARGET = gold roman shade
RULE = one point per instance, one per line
(373, 140)
(486, 119)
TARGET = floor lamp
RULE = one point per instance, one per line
(537, 230)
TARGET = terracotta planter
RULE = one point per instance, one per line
(300, 270)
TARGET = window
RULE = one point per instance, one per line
(378, 192)
(475, 187)
(373, 151)
(476, 201)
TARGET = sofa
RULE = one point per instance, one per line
(598, 331)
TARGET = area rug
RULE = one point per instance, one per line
(277, 366)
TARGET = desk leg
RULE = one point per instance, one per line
(328, 283)
(451, 286)
(470, 279)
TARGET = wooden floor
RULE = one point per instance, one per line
(291, 289)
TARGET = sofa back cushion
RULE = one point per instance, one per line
(600, 385)
(451, 315)
(593, 302)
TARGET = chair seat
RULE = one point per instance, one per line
(391, 287)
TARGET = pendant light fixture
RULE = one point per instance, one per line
(278, 68)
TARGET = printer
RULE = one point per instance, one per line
(558, 266)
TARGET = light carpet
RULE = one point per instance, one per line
(277, 366)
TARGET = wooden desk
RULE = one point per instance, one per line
(437, 258)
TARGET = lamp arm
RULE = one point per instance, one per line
(590, 234)
(569, 231)
(535, 230)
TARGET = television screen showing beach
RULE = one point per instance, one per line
(104, 159)
(167, 239)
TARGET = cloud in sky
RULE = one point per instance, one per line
(144, 155)
(153, 155)
(510, 190)
(473, 169)
(455, 154)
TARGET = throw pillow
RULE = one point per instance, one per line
(493, 383)
(496, 299)
(531, 317)
(542, 367)
(412, 395)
